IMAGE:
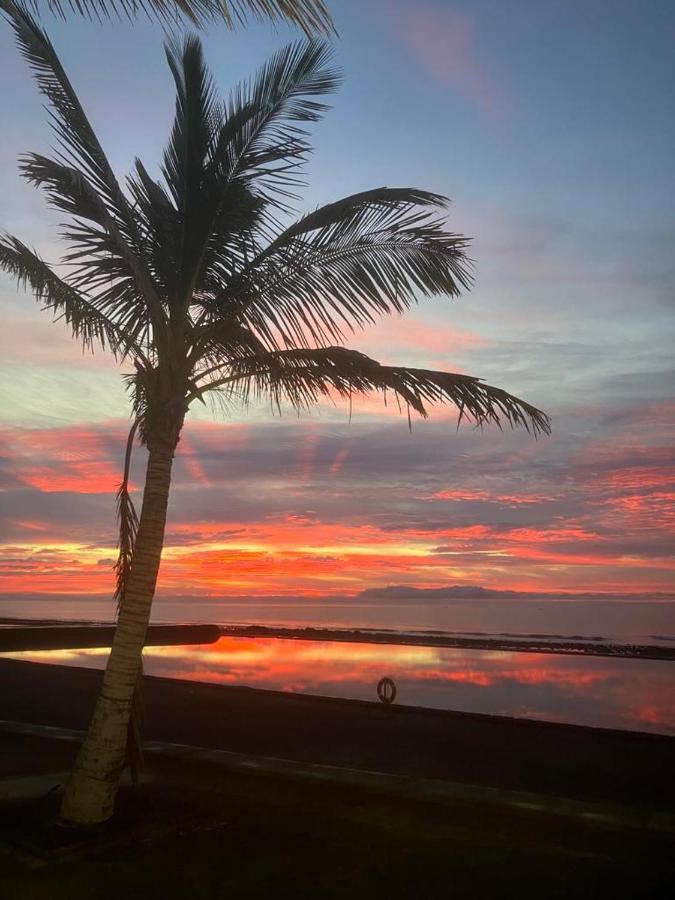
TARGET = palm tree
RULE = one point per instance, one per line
(310, 15)
(191, 278)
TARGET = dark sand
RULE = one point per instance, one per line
(560, 760)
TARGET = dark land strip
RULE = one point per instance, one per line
(520, 644)
(76, 637)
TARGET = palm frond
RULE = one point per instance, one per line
(344, 265)
(77, 139)
(196, 121)
(263, 137)
(226, 340)
(304, 377)
(160, 226)
(83, 178)
(87, 322)
(102, 255)
(212, 211)
(310, 15)
(217, 164)
(127, 520)
(67, 188)
(97, 248)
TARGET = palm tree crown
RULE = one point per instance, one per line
(190, 277)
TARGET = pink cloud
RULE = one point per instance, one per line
(76, 459)
(398, 339)
(444, 43)
(487, 496)
(192, 462)
(307, 453)
(339, 461)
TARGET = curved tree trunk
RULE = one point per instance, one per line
(90, 793)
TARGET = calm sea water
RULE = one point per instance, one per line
(631, 694)
(611, 619)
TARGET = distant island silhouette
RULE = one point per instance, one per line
(391, 592)
(476, 592)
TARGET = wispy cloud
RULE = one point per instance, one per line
(444, 43)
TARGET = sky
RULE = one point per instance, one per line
(552, 128)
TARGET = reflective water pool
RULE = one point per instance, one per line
(614, 693)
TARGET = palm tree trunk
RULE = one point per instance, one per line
(90, 793)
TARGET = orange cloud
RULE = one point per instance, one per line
(603, 521)
(69, 459)
(80, 478)
(490, 497)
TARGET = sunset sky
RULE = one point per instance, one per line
(552, 128)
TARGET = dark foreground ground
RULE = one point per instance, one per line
(198, 830)
(201, 833)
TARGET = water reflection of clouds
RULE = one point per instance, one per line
(615, 693)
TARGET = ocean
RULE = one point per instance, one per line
(610, 619)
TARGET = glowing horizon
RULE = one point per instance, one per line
(269, 516)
